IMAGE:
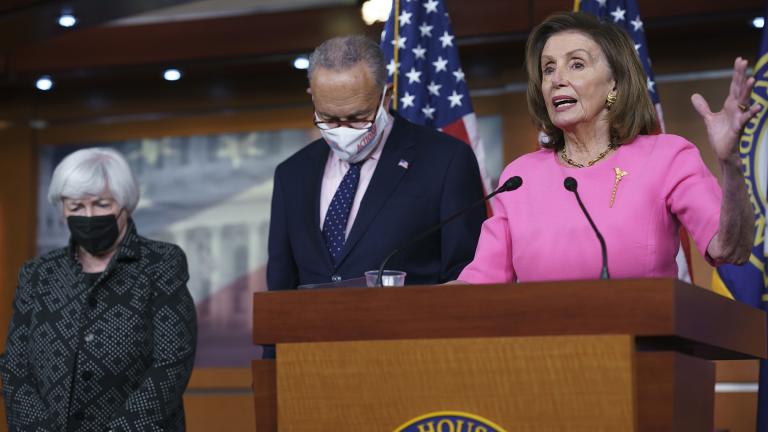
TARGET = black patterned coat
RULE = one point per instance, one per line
(116, 355)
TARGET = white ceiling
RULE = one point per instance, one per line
(204, 9)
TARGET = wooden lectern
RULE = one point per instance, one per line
(623, 355)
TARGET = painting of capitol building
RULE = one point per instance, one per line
(211, 195)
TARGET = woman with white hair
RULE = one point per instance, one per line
(104, 330)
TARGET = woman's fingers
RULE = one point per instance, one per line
(701, 105)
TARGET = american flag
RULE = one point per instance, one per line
(423, 64)
(626, 14)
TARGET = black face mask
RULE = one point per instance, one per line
(95, 234)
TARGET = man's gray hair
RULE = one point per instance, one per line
(343, 52)
(93, 171)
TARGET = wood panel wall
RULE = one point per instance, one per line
(18, 223)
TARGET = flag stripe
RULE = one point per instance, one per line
(457, 130)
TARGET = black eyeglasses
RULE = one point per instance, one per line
(354, 124)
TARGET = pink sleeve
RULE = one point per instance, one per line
(493, 257)
(693, 195)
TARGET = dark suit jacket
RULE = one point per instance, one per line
(113, 355)
(441, 177)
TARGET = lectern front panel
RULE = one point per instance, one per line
(574, 383)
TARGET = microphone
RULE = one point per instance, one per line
(511, 184)
(571, 185)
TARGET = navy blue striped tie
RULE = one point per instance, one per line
(335, 224)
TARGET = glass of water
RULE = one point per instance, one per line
(388, 278)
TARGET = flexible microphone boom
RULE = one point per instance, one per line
(511, 184)
(571, 185)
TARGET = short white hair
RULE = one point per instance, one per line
(93, 171)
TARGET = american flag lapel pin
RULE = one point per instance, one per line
(403, 164)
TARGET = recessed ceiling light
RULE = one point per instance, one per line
(172, 75)
(376, 10)
(301, 62)
(44, 83)
(67, 20)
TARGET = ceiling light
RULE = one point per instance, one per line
(67, 20)
(758, 22)
(376, 10)
(44, 83)
(172, 75)
(301, 63)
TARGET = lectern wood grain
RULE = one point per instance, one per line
(574, 383)
(675, 392)
(643, 307)
(265, 395)
(403, 352)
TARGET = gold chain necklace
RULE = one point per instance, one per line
(571, 162)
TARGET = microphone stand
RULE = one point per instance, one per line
(511, 184)
(571, 185)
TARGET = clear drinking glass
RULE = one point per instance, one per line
(388, 278)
